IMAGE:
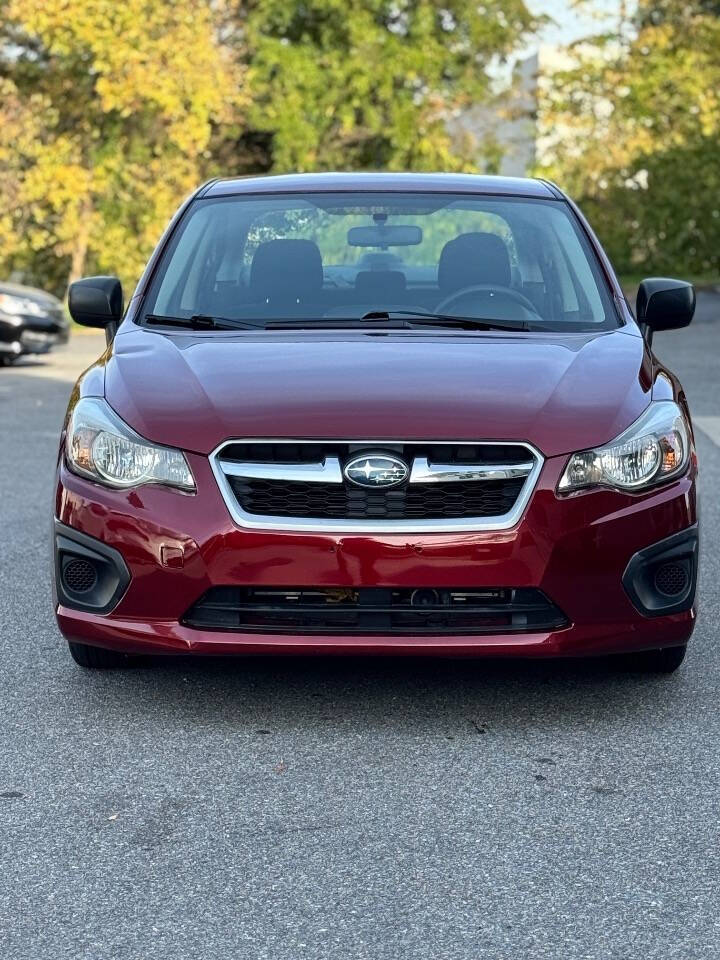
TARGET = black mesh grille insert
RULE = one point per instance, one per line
(79, 575)
(375, 610)
(672, 579)
(418, 501)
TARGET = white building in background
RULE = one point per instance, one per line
(510, 122)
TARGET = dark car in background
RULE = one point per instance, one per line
(378, 413)
(31, 321)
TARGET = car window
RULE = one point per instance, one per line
(329, 232)
(344, 254)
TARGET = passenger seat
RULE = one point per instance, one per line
(286, 272)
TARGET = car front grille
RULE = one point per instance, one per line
(375, 610)
(305, 485)
(340, 501)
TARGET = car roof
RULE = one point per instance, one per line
(410, 182)
(32, 293)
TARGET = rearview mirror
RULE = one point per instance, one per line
(96, 301)
(664, 304)
(382, 235)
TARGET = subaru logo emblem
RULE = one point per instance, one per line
(376, 470)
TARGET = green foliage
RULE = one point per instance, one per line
(329, 230)
(672, 226)
(370, 84)
(636, 125)
(111, 112)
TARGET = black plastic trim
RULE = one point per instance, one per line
(553, 188)
(639, 576)
(203, 189)
(113, 575)
(384, 611)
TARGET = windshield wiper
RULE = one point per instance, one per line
(392, 319)
(200, 321)
(434, 319)
(332, 323)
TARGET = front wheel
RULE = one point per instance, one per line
(666, 660)
(97, 658)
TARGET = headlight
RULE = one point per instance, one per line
(102, 447)
(16, 306)
(654, 448)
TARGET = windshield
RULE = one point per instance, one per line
(296, 257)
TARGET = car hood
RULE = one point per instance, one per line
(559, 392)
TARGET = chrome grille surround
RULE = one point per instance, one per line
(330, 471)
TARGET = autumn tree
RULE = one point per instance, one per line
(633, 130)
(106, 111)
(110, 112)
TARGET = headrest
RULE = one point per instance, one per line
(388, 284)
(287, 270)
(472, 259)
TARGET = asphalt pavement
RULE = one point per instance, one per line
(344, 809)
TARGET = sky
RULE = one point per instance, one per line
(573, 23)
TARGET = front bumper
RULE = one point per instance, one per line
(576, 549)
(19, 341)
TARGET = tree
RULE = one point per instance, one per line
(368, 84)
(634, 134)
(110, 112)
(105, 118)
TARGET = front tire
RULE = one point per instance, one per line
(97, 658)
(666, 660)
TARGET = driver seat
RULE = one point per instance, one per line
(471, 259)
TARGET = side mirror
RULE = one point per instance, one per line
(97, 302)
(664, 304)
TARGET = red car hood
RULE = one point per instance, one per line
(561, 393)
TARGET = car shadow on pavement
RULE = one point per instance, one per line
(398, 696)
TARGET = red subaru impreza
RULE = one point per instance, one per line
(377, 413)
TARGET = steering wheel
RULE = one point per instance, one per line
(507, 292)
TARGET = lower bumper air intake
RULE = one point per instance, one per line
(375, 610)
(662, 578)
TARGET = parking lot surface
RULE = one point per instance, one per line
(347, 809)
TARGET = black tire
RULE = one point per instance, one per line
(666, 660)
(97, 658)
